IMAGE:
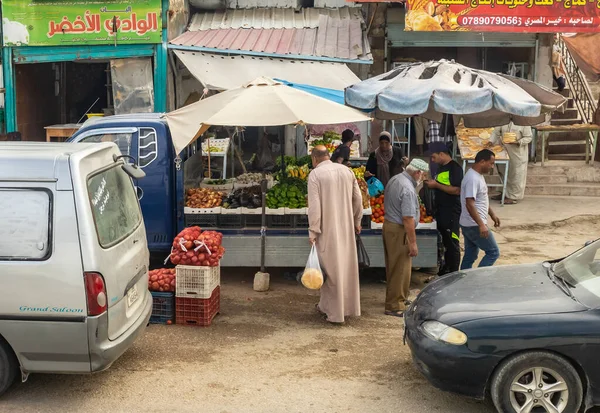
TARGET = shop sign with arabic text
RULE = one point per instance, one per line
(532, 16)
(62, 23)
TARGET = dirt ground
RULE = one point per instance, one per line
(271, 352)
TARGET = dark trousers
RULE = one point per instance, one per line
(449, 228)
(561, 82)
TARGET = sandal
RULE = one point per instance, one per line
(510, 202)
(496, 198)
(399, 313)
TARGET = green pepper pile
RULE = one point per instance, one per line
(289, 194)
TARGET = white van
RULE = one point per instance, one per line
(73, 259)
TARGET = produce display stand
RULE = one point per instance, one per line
(470, 141)
(286, 238)
(223, 149)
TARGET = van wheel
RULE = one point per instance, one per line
(536, 381)
(8, 367)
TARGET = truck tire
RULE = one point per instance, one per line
(8, 367)
(536, 379)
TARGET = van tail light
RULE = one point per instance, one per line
(95, 291)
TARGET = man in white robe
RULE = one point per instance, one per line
(334, 216)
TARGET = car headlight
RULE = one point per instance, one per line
(442, 332)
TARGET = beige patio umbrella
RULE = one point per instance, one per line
(263, 102)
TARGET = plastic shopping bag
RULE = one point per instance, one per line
(363, 257)
(312, 277)
(375, 187)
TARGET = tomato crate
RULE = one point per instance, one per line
(253, 221)
(198, 311)
(163, 308)
(366, 222)
(204, 221)
(280, 221)
(231, 221)
(301, 221)
(196, 282)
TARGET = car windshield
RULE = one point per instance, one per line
(582, 268)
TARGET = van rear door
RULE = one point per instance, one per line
(114, 240)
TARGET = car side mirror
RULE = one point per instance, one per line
(133, 171)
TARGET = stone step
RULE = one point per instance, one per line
(567, 114)
(566, 156)
(586, 189)
(537, 169)
(546, 179)
(565, 92)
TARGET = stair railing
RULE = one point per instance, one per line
(580, 89)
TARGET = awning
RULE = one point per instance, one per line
(336, 96)
(323, 34)
(220, 72)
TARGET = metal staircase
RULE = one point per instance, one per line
(580, 110)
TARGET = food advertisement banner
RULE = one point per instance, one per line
(516, 16)
(63, 23)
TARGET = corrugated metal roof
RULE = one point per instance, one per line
(326, 33)
(269, 18)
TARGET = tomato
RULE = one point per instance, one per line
(190, 254)
(155, 286)
(205, 263)
(194, 260)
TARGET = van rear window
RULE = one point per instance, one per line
(114, 204)
(25, 228)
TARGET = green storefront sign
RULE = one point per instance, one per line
(62, 23)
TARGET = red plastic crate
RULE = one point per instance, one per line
(198, 311)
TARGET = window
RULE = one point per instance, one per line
(123, 140)
(25, 230)
(147, 147)
(114, 205)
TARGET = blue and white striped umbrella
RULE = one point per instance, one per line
(435, 88)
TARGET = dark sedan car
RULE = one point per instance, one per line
(528, 336)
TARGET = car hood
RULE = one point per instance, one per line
(492, 292)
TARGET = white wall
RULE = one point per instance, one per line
(543, 64)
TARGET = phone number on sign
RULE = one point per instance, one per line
(490, 21)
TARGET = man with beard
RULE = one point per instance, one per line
(399, 234)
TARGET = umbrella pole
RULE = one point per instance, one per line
(208, 152)
(261, 278)
(263, 225)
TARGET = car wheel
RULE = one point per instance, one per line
(8, 367)
(536, 382)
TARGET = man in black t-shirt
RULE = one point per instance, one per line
(342, 152)
(447, 184)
